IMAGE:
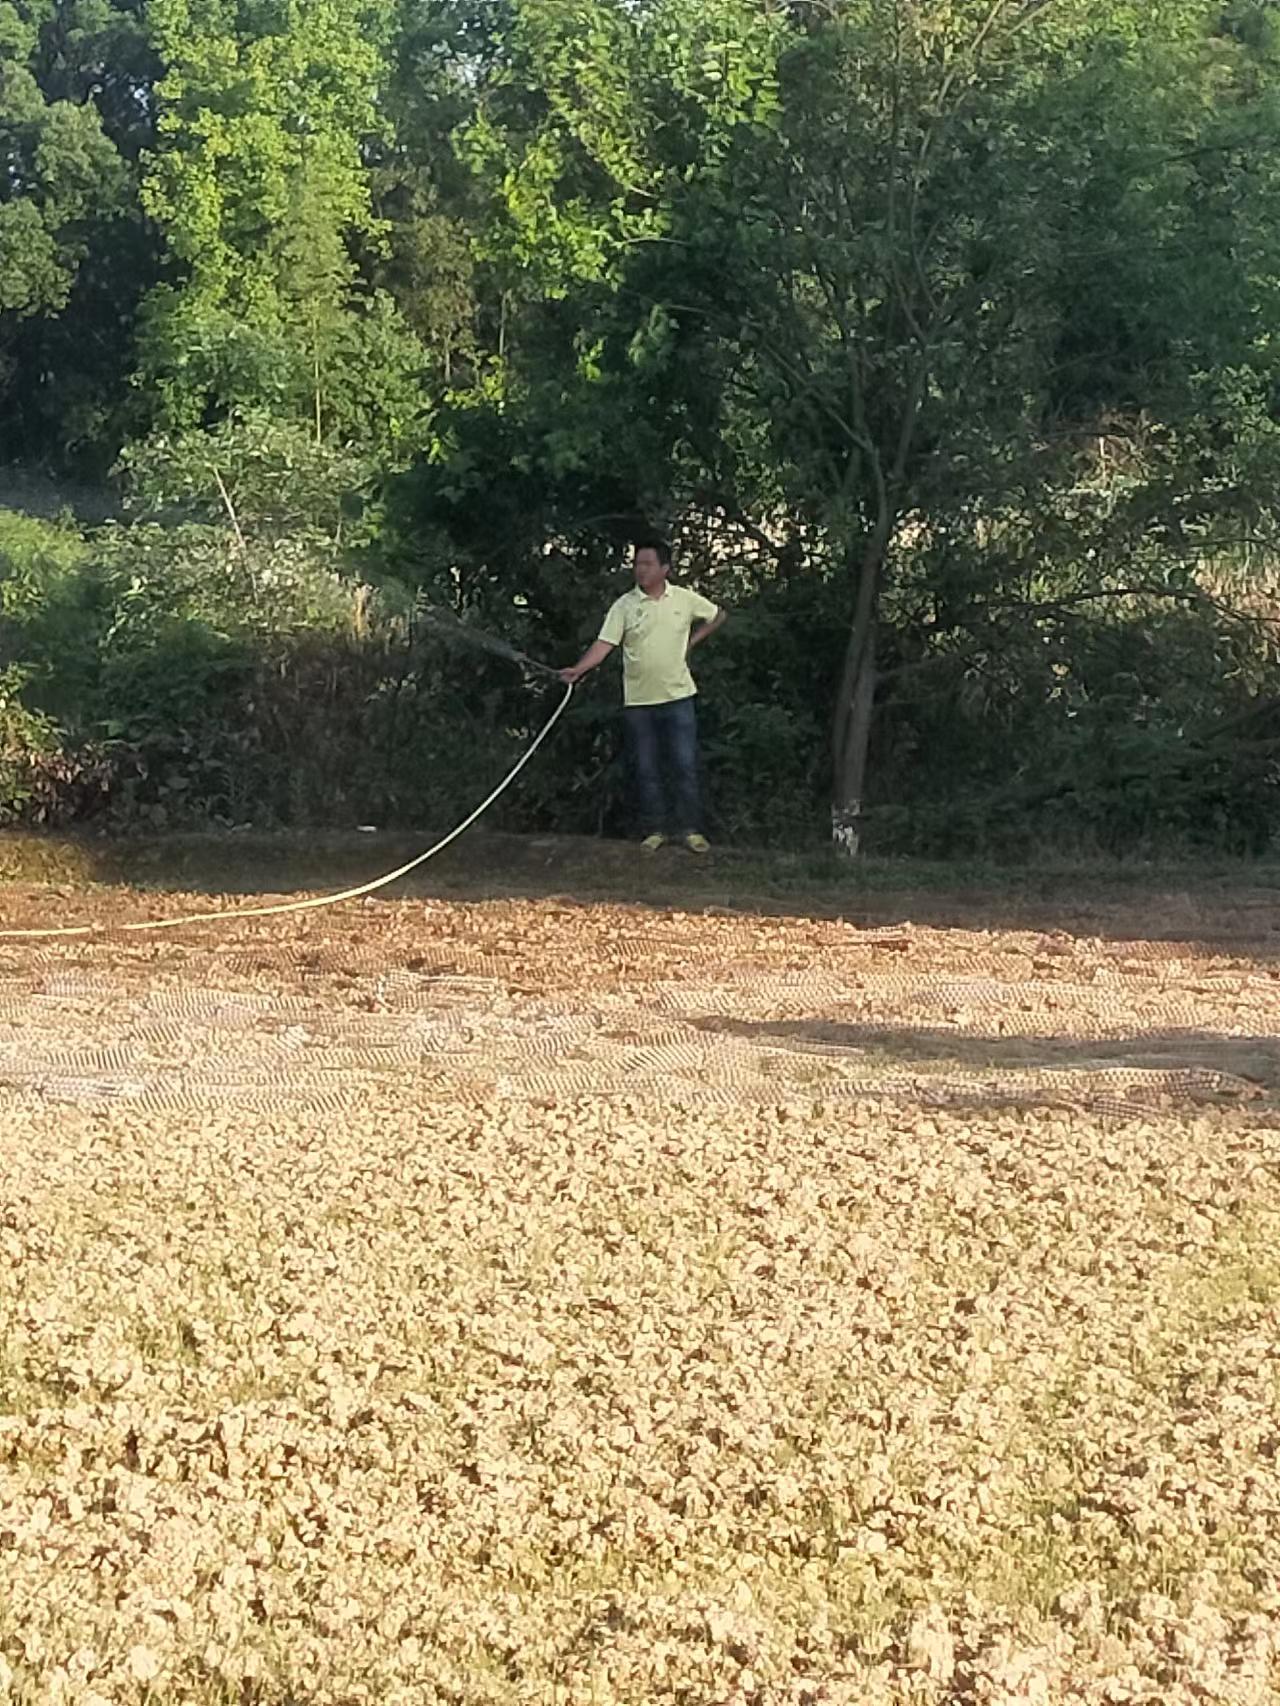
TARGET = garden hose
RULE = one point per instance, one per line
(313, 901)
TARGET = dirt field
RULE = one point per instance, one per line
(714, 1301)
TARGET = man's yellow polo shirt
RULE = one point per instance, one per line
(654, 636)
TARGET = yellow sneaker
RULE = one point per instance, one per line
(697, 844)
(651, 843)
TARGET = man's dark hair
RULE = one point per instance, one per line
(653, 542)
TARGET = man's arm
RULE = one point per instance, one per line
(706, 629)
(612, 634)
(594, 655)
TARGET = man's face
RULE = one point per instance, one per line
(649, 568)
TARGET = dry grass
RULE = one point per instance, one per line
(464, 1396)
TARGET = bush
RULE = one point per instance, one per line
(177, 676)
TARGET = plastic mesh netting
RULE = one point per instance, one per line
(534, 1002)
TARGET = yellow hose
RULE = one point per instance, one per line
(315, 900)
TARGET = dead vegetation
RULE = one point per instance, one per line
(505, 1303)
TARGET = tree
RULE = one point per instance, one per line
(74, 255)
(914, 254)
(260, 186)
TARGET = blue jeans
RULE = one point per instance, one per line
(669, 731)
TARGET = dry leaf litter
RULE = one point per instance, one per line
(531, 1303)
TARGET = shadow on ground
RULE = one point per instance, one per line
(1255, 1059)
(1219, 909)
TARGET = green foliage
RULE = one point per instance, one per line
(25, 736)
(34, 557)
(270, 477)
(74, 256)
(940, 336)
(260, 185)
(60, 167)
(883, 264)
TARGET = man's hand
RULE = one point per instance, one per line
(594, 654)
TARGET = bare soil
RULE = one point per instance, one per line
(586, 1281)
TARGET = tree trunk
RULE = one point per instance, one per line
(851, 758)
(851, 730)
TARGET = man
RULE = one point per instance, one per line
(657, 625)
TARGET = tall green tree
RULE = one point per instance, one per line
(260, 185)
(902, 261)
(59, 164)
(75, 80)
